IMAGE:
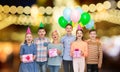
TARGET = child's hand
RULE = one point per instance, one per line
(58, 52)
(99, 66)
(82, 54)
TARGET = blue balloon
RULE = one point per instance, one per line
(90, 24)
(80, 10)
(66, 14)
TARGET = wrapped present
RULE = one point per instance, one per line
(27, 58)
(53, 52)
(77, 53)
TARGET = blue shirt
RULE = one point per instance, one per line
(25, 49)
(55, 61)
(67, 40)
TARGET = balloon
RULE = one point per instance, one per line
(75, 15)
(79, 9)
(90, 24)
(85, 18)
(81, 25)
(62, 22)
(66, 14)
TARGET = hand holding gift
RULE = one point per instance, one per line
(53, 52)
(27, 58)
(77, 53)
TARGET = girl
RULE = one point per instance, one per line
(79, 52)
(28, 54)
(55, 51)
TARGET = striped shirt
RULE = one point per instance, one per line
(41, 45)
(94, 52)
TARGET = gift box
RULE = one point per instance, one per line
(53, 52)
(77, 53)
(27, 58)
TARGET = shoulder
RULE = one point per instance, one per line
(50, 44)
(74, 42)
(84, 42)
(47, 39)
(61, 44)
(36, 39)
(63, 37)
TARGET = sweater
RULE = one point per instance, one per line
(82, 46)
(95, 53)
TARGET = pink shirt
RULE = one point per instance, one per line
(81, 45)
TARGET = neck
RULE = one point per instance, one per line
(68, 34)
(55, 41)
(79, 39)
(29, 43)
(93, 40)
(41, 37)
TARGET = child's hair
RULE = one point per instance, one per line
(41, 28)
(77, 31)
(68, 25)
(92, 30)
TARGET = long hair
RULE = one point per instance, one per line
(81, 31)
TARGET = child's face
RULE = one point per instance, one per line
(93, 35)
(55, 36)
(28, 38)
(79, 34)
(41, 33)
(69, 29)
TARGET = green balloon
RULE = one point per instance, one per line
(85, 18)
(62, 22)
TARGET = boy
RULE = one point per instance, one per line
(41, 42)
(67, 40)
(94, 58)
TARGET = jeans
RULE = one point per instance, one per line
(42, 66)
(92, 67)
(68, 66)
(54, 68)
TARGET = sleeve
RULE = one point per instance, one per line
(21, 50)
(61, 49)
(62, 40)
(35, 50)
(100, 55)
(86, 50)
(71, 49)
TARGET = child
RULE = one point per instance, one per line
(28, 54)
(79, 52)
(94, 59)
(55, 51)
(67, 40)
(41, 42)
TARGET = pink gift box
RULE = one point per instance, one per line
(53, 52)
(27, 58)
(77, 53)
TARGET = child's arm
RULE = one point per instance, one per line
(85, 50)
(34, 52)
(71, 49)
(21, 52)
(100, 56)
(60, 52)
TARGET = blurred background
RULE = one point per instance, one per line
(17, 15)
